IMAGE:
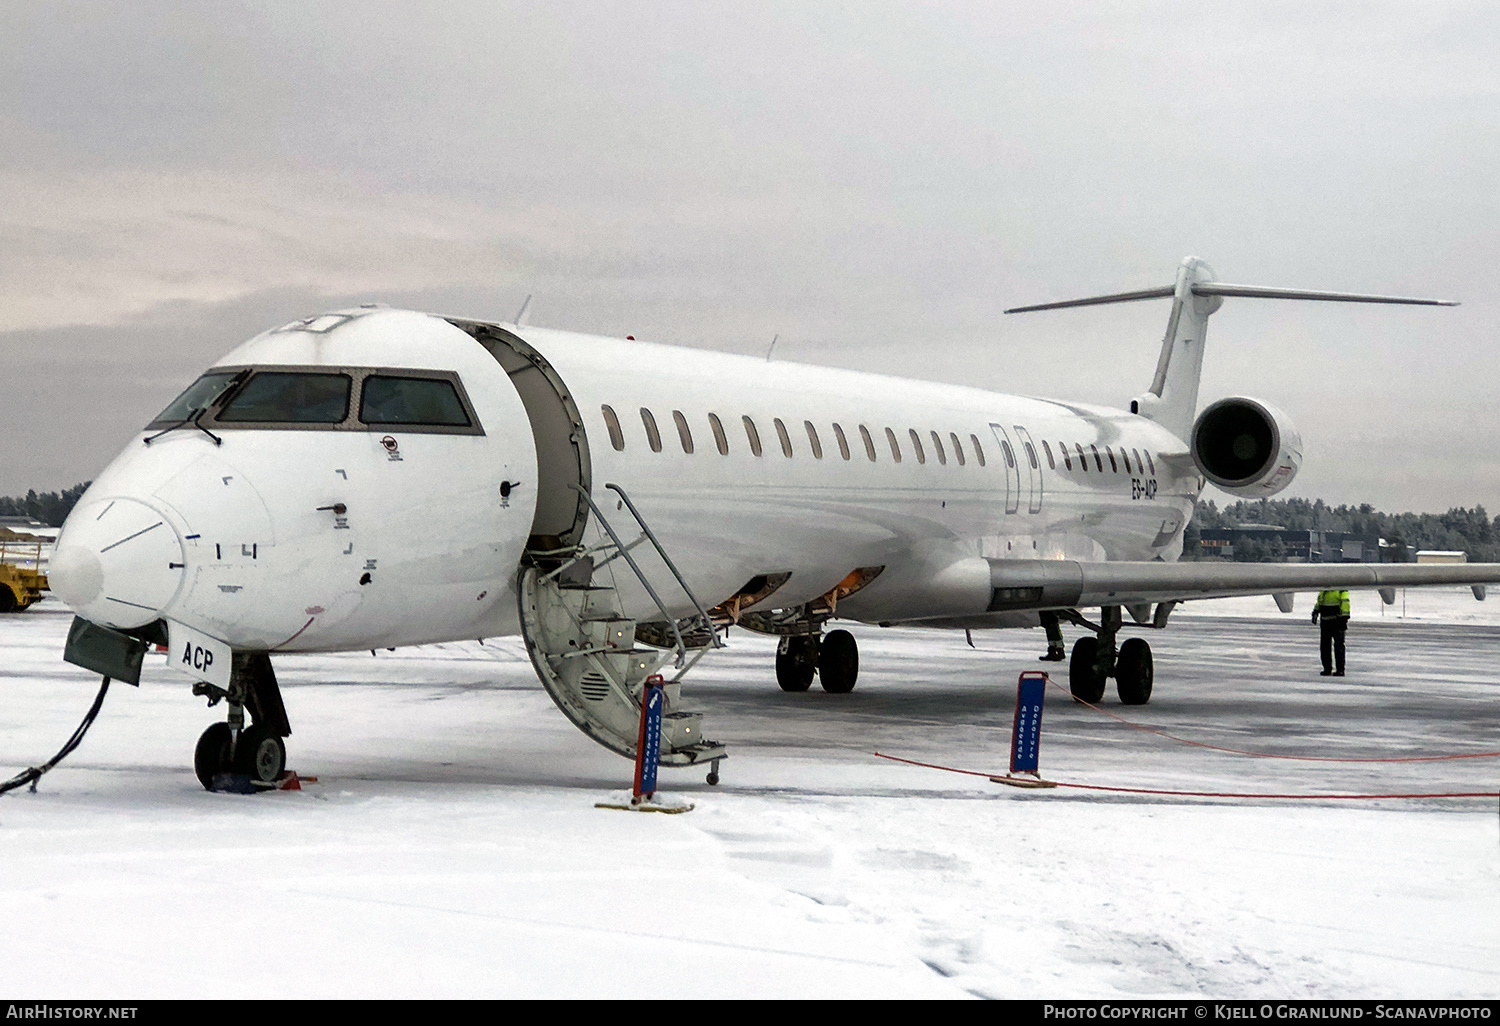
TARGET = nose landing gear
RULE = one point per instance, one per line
(257, 751)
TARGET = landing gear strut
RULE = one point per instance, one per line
(256, 751)
(1096, 659)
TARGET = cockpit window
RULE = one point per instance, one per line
(280, 397)
(200, 395)
(428, 401)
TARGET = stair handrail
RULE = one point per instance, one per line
(634, 566)
(662, 552)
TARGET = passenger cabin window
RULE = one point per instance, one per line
(1150, 463)
(1125, 459)
(1113, 466)
(1047, 449)
(200, 395)
(616, 436)
(890, 438)
(838, 433)
(720, 439)
(978, 449)
(653, 436)
(958, 449)
(752, 434)
(937, 447)
(391, 401)
(786, 440)
(1031, 456)
(864, 434)
(279, 397)
(683, 434)
(1140, 468)
(1098, 460)
(1083, 460)
(1010, 457)
(1062, 447)
(812, 439)
(916, 445)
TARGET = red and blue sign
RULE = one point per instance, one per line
(1026, 734)
(648, 745)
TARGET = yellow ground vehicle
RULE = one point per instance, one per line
(21, 579)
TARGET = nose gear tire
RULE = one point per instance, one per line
(260, 755)
(211, 757)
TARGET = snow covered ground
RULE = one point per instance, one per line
(452, 847)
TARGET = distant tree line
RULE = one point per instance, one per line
(1467, 530)
(50, 508)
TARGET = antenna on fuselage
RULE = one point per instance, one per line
(772, 346)
(521, 312)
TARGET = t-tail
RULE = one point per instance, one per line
(1172, 399)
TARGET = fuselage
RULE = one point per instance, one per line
(371, 528)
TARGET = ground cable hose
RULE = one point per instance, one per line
(34, 774)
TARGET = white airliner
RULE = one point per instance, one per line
(374, 478)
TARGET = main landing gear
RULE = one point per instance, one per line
(257, 751)
(1095, 660)
(834, 657)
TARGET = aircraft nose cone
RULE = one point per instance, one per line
(118, 563)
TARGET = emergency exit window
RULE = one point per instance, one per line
(431, 402)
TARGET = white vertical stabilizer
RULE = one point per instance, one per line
(1172, 399)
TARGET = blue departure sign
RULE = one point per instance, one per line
(648, 748)
(1026, 735)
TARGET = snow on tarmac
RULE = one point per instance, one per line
(452, 848)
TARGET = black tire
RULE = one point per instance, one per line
(211, 757)
(260, 755)
(796, 662)
(1086, 683)
(838, 662)
(1134, 672)
(8, 601)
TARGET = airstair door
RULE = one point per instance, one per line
(1012, 468)
(1032, 469)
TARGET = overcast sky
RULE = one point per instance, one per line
(872, 182)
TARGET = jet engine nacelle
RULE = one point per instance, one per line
(1246, 447)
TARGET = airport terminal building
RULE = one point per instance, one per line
(1270, 543)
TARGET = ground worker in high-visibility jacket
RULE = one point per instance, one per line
(1332, 608)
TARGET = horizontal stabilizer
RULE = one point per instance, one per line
(1217, 288)
(1214, 288)
(1165, 292)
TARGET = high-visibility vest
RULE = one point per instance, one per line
(1333, 603)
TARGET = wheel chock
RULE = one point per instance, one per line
(233, 783)
(240, 783)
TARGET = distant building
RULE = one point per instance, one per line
(29, 527)
(1441, 556)
(1295, 546)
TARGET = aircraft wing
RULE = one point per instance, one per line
(1065, 584)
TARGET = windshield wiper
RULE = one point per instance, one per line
(192, 419)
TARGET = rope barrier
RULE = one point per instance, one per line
(1266, 755)
(1203, 794)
